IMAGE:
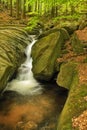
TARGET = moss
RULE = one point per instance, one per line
(5, 74)
(64, 33)
(75, 104)
(45, 53)
(70, 26)
(76, 44)
(67, 72)
(43, 58)
(12, 44)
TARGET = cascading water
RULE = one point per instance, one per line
(25, 83)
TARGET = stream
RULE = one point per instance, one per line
(26, 104)
(25, 83)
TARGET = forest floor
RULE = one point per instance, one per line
(6, 19)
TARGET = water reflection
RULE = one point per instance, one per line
(40, 112)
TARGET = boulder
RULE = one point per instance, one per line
(73, 76)
(70, 26)
(66, 74)
(45, 52)
(76, 44)
(72, 116)
(12, 44)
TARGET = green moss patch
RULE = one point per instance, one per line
(66, 75)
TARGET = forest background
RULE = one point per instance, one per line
(46, 11)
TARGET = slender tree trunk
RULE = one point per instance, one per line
(85, 11)
(20, 5)
(11, 8)
(17, 9)
(35, 6)
(53, 10)
(66, 8)
(38, 7)
(23, 10)
(29, 8)
(56, 11)
(7, 4)
(3, 2)
(48, 8)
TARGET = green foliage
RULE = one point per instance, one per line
(56, 9)
(32, 23)
(67, 17)
(30, 2)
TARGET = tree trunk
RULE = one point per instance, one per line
(53, 9)
(10, 7)
(23, 10)
(29, 8)
(56, 11)
(35, 6)
(7, 4)
(17, 9)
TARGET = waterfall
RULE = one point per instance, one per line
(25, 83)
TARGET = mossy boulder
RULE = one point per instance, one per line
(76, 102)
(70, 26)
(83, 24)
(45, 52)
(12, 44)
(66, 75)
(77, 44)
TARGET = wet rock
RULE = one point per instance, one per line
(12, 44)
(45, 52)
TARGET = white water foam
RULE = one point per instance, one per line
(25, 83)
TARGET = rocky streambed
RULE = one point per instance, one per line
(59, 57)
